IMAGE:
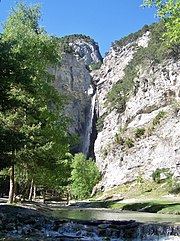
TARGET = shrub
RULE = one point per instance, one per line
(104, 152)
(129, 142)
(73, 37)
(119, 94)
(100, 122)
(139, 132)
(176, 107)
(175, 188)
(156, 175)
(66, 48)
(158, 117)
(95, 65)
(119, 139)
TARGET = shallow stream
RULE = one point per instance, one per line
(106, 214)
(150, 226)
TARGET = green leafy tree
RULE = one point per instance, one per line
(33, 127)
(84, 176)
(168, 10)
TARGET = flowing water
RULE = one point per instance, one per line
(148, 226)
(89, 124)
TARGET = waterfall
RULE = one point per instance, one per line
(89, 125)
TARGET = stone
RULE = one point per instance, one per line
(156, 92)
(73, 79)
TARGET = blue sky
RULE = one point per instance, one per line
(103, 20)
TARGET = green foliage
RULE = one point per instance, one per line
(156, 175)
(73, 37)
(65, 42)
(123, 140)
(104, 152)
(84, 176)
(119, 94)
(175, 187)
(139, 132)
(155, 52)
(139, 179)
(100, 122)
(129, 142)
(131, 37)
(33, 128)
(64, 47)
(95, 65)
(169, 11)
(176, 107)
(119, 139)
(158, 117)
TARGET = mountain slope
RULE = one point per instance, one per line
(138, 111)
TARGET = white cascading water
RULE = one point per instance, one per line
(89, 125)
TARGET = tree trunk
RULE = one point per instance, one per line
(11, 185)
(44, 196)
(31, 190)
(34, 193)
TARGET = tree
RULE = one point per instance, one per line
(169, 11)
(33, 127)
(84, 176)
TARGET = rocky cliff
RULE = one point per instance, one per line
(136, 95)
(135, 141)
(72, 78)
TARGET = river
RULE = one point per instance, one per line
(108, 214)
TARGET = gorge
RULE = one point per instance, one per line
(125, 108)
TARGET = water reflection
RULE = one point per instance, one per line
(100, 214)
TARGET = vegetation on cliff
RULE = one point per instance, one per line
(66, 42)
(164, 43)
(154, 53)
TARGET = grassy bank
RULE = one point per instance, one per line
(147, 197)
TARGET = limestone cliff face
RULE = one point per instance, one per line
(86, 50)
(142, 137)
(73, 80)
(146, 135)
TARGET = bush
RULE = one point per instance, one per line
(119, 94)
(95, 65)
(156, 175)
(158, 117)
(84, 176)
(73, 37)
(119, 139)
(129, 142)
(175, 188)
(139, 132)
(100, 122)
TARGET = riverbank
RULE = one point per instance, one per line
(34, 222)
(146, 196)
